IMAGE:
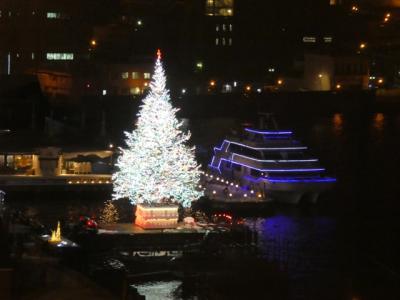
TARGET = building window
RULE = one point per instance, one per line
(33, 55)
(147, 75)
(230, 27)
(53, 15)
(135, 75)
(328, 39)
(216, 41)
(219, 8)
(230, 41)
(223, 27)
(135, 91)
(223, 41)
(59, 56)
(125, 75)
(309, 39)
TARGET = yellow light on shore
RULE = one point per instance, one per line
(338, 86)
(248, 88)
(380, 80)
(280, 82)
(93, 42)
(363, 45)
(212, 82)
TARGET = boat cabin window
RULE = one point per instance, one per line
(272, 155)
(237, 167)
(255, 173)
(293, 175)
(295, 155)
(244, 151)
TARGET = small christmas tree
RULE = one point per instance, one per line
(157, 163)
(109, 214)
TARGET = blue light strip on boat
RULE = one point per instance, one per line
(275, 161)
(269, 148)
(272, 170)
(301, 180)
(290, 180)
(277, 132)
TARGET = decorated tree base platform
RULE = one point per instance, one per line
(157, 216)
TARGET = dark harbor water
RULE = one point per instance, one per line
(347, 246)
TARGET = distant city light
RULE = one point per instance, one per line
(199, 65)
(248, 88)
(104, 92)
(258, 90)
(363, 45)
(183, 91)
(235, 84)
(354, 8)
(111, 146)
(338, 86)
(93, 42)
(280, 82)
(320, 76)
(380, 80)
(139, 22)
(212, 82)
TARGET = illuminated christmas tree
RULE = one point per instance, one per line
(109, 214)
(157, 163)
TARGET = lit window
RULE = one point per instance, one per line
(59, 56)
(309, 39)
(104, 92)
(147, 75)
(328, 39)
(230, 41)
(223, 41)
(217, 41)
(217, 28)
(135, 91)
(223, 27)
(53, 15)
(135, 75)
(230, 27)
(33, 55)
(125, 75)
(219, 8)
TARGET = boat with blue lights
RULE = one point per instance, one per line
(268, 165)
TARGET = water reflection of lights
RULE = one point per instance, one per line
(293, 241)
(337, 122)
(379, 120)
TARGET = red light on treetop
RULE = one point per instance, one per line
(158, 54)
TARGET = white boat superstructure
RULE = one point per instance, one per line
(273, 163)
